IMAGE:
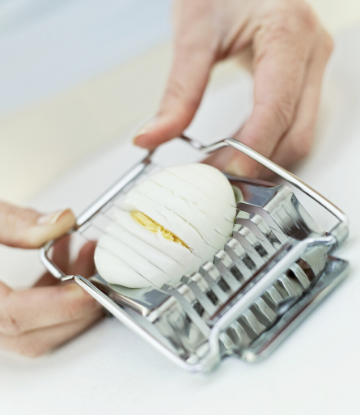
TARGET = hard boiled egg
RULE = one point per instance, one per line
(169, 225)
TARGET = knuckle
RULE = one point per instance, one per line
(289, 21)
(277, 30)
(10, 325)
(178, 91)
(17, 220)
(283, 112)
(189, 43)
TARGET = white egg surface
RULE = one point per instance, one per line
(169, 225)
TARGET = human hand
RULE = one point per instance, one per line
(285, 47)
(36, 320)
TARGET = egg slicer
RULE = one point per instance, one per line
(275, 269)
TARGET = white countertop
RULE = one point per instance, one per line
(109, 370)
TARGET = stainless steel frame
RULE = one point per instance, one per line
(292, 251)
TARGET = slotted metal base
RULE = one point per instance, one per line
(149, 301)
(335, 272)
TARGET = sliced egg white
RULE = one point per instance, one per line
(173, 222)
(217, 215)
(192, 195)
(162, 261)
(196, 192)
(115, 271)
(208, 180)
(134, 260)
(212, 174)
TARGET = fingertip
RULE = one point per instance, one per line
(235, 168)
(242, 166)
(48, 227)
(64, 222)
(158, 131)
(234, 163)
(141, 137)
(141, 140)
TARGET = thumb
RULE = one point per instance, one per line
(26, 228)
(188, 78)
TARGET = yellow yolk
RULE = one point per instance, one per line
(152, 226)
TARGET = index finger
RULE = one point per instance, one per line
(195, 50)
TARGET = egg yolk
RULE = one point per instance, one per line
(152, 226)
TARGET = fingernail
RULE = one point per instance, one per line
(51, 218)
(144, 129)
(234, 168)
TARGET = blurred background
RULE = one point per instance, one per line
(76, 76)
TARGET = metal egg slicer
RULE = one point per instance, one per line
(271, 273)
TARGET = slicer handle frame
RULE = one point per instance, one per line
(337, 235)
